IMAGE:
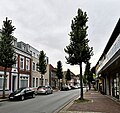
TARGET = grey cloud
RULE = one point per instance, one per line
(45, 24)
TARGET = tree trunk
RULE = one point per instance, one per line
(4, 82)
(41, 80)
(81, 82)
(59, 84)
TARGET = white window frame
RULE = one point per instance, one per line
(33, 66)
(21, 62)
(27, 64)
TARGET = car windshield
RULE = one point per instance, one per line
(19, 90)
(41, 87)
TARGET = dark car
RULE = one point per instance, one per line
(44, 90)
(64, 88)
(22, 93)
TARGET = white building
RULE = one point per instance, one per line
(36, 76)
(108, 66)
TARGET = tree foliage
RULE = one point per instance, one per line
(41, 66)
(78, 50)
(7, 52)
(88, 74)
(68, 75)
(93, 70)
(59, 72)
(87, 70)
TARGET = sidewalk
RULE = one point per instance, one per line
(5, 99)
(7, 92)
(98, 104)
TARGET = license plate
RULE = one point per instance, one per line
(11, 97)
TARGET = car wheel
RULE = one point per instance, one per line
(33, 95)
(22, 97)
(46, 92)
(51, 92)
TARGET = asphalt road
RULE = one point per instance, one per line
(40, 104)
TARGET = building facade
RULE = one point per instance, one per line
(36, 76)
(72, 82)
(53, 79)
(24, 73)
(108, 66)
(21, 71)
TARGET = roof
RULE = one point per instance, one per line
(113, 37)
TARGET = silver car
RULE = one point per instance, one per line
(44, 90)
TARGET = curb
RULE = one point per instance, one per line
(113, 98)
(6, 99)
(66, 105)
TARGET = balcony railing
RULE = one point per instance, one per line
(114, 48)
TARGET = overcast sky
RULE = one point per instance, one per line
(45, 24)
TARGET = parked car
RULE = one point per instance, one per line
(22, 93)
(74, 87)
(44, 90)
(65, 88)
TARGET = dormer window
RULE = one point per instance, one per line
(24, 47)
(34, 54)
(31, 52)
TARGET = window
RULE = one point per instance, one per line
(36, 67)
(16, 64)
(40, 81)
(24, 81)
(34, 54)
(46, 81)
(27, 64)
(1, 82)
(31, 52)
(24, 48)
(33, 65)
(36, 82)
(33, 82)
(21, 62)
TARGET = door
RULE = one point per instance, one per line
(13, 83)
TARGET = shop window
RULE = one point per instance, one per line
(1, 82)
(24, 81)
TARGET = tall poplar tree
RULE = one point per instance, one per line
(7, 53)
(41, 66)
(68, 75)
(88, 74)
(59, 72)
(78, 50)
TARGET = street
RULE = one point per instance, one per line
(40, 104)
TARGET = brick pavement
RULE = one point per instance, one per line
(98, 104)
